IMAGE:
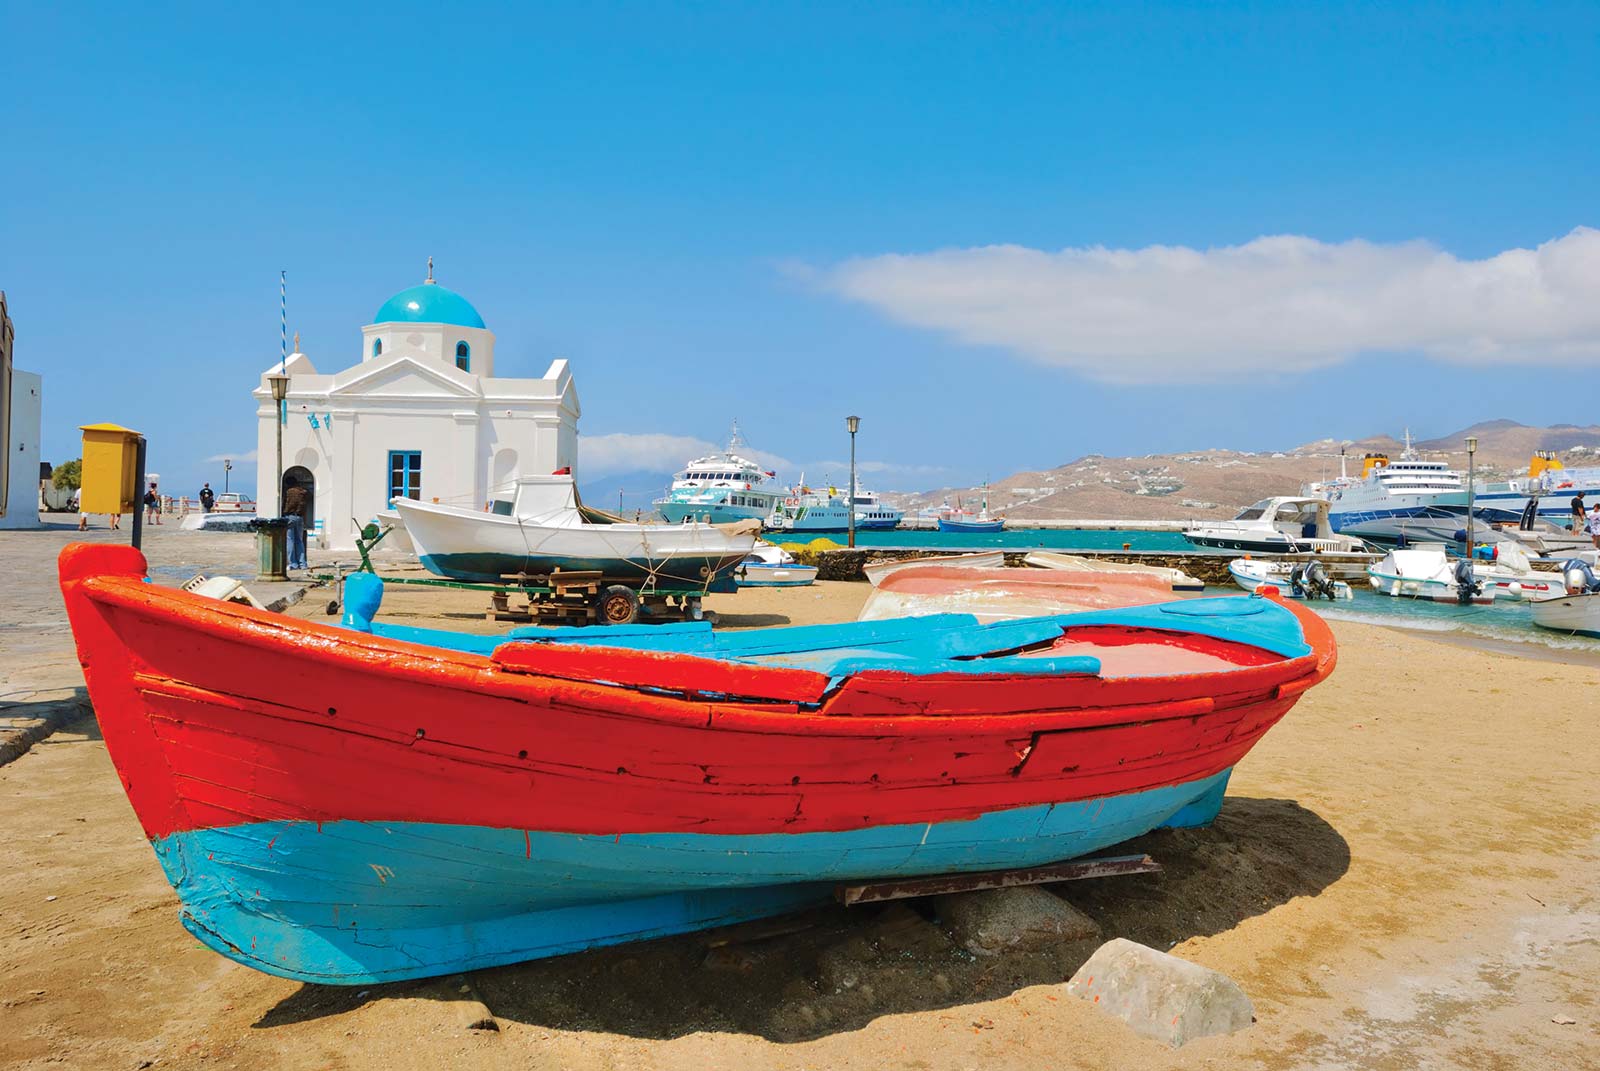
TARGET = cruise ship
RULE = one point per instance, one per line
(720, 488)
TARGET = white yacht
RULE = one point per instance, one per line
(1275, 526)
(721, 488)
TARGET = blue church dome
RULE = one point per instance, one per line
(429, 303)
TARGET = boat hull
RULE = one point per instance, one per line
(356, 903)
(1576, 615)
(947, 525)
(775, 576)
(707, 512)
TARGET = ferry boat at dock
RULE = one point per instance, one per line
(872, 513)
(721, 488)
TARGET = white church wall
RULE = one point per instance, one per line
(22, 452)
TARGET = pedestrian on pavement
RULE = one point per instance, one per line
(295, 502)
(207, 496)
(152, 506)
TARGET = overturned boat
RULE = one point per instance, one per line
(546, 528)
(359, 804)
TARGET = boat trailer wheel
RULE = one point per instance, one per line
(619, 605)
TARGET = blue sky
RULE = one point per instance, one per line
(784, 212)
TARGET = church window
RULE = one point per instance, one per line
(405, 474)
(463, 356)
(377, 346)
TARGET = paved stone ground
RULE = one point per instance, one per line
(41, 684)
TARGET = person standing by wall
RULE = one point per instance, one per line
(294, 508)
(152, 506)
(207, 497)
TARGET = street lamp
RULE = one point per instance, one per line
(279, 382)
(227, 467)
(1472, 449)
(854, 424)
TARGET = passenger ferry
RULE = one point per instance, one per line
(1406, 500)
(805, 510)
(720, 488)
(872, 512)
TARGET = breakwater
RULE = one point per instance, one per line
(845, 563)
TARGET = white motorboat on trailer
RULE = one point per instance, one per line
(1425, 571)
(1576, 610)
(1292, 580)
(770, 566)
(1285, 525)
(550, 529)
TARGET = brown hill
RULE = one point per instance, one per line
(1217, 483)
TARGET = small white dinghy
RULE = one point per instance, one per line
(1575, 611)
(770, 566)
(1292, 580)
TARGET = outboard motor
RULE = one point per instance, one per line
(1579, 577)
(1317, 581)
(1467, 585)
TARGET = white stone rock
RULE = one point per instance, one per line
(1161, 996)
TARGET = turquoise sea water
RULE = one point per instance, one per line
(1502, 622)
(1019, 539)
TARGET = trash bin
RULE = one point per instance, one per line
(272, 547)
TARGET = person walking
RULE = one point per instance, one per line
(1578, 520)
(207, 497)
(152, 506)
(294, 508)
(1594, 526)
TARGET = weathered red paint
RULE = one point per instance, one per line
(217, 714)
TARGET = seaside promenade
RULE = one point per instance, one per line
(1406, 873)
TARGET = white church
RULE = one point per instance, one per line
(421, 415)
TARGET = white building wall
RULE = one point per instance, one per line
(23, 451)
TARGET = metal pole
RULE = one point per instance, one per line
(278, 487)
(138, 495)
(227, 467)
(852, 487)
(1472, 450)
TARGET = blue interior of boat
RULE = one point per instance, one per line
(937, 643)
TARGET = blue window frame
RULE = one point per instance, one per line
(405, 474)
(463, 356)
(377, 346)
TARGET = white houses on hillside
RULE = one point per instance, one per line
(421, 415)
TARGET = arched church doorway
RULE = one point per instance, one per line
(301, 475)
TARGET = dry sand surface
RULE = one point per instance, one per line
(1404, 875)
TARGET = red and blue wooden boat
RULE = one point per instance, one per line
(359, 804)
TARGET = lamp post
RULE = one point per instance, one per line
(227, 467)
(1472, 449)
(854, 424)
(280, 390)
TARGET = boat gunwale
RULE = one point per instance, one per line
(437, 667)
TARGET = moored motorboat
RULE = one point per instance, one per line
(548, 528)
(1283, 525)
(1292, 580)
(348, 807)
(1576, 609)
(1425, 571)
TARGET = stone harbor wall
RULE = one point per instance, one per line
(848, 564)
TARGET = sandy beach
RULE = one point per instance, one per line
(1403, 875)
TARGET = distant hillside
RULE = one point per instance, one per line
(1217, 483)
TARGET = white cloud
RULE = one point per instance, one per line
(243, 457)
(1279, 303)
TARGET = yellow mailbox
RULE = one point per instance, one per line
(110, 469)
